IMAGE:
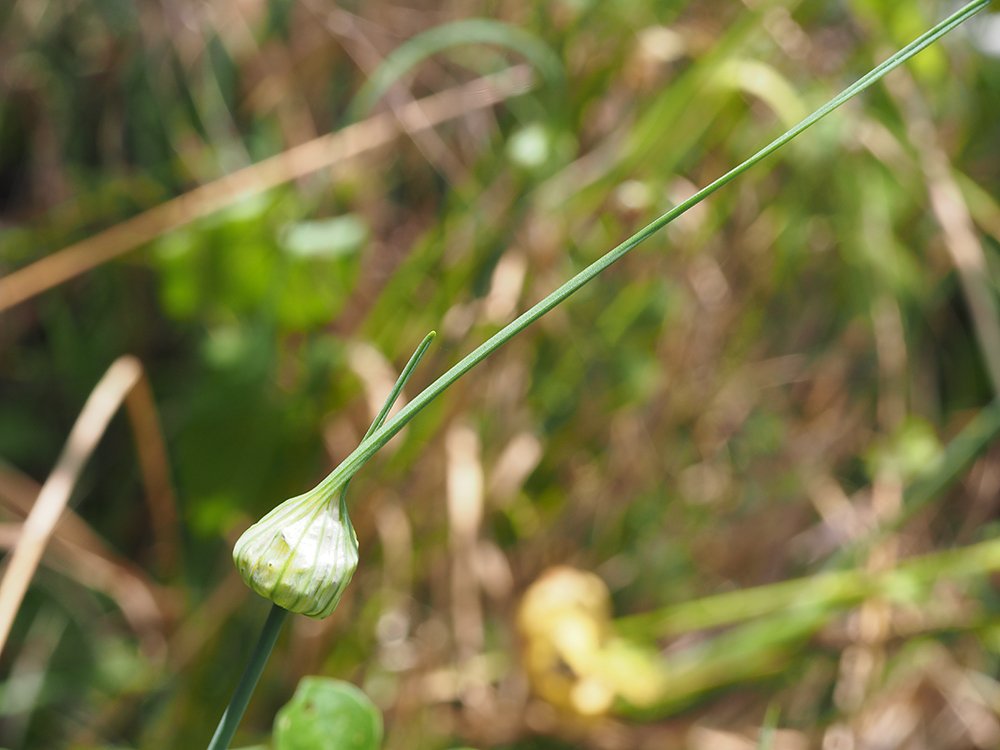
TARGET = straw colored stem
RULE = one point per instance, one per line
(102, 404)
(289, 165)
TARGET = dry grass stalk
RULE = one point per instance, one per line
(90, 426)
(287, 166)
(155, 468)
(955, 219)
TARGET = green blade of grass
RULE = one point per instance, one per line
(767, 730)
(820, 592)
(368, 447)
(937, 476)
(397, 388)
(458, 33)
(960, 452)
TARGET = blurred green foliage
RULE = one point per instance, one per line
(675, 427)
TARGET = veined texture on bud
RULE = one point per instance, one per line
(301, 555)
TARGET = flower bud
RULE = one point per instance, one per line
(301, 555)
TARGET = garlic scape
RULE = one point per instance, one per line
(302, 554)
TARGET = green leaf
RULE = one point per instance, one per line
(326, 238)
(326, 713)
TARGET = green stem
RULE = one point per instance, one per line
(819, 591)
(272, 626)
(368, 447)
(251, 675)
(378, 436)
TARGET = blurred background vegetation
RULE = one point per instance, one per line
(801, 365)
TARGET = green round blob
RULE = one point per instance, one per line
(327, 714)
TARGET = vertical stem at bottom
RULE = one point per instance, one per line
(241, 696)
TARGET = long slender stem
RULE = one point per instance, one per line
(368, 447)
(379, 436)
(818, 591)
(251, 675)
(272, 626)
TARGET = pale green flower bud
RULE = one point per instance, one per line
(301, 555)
